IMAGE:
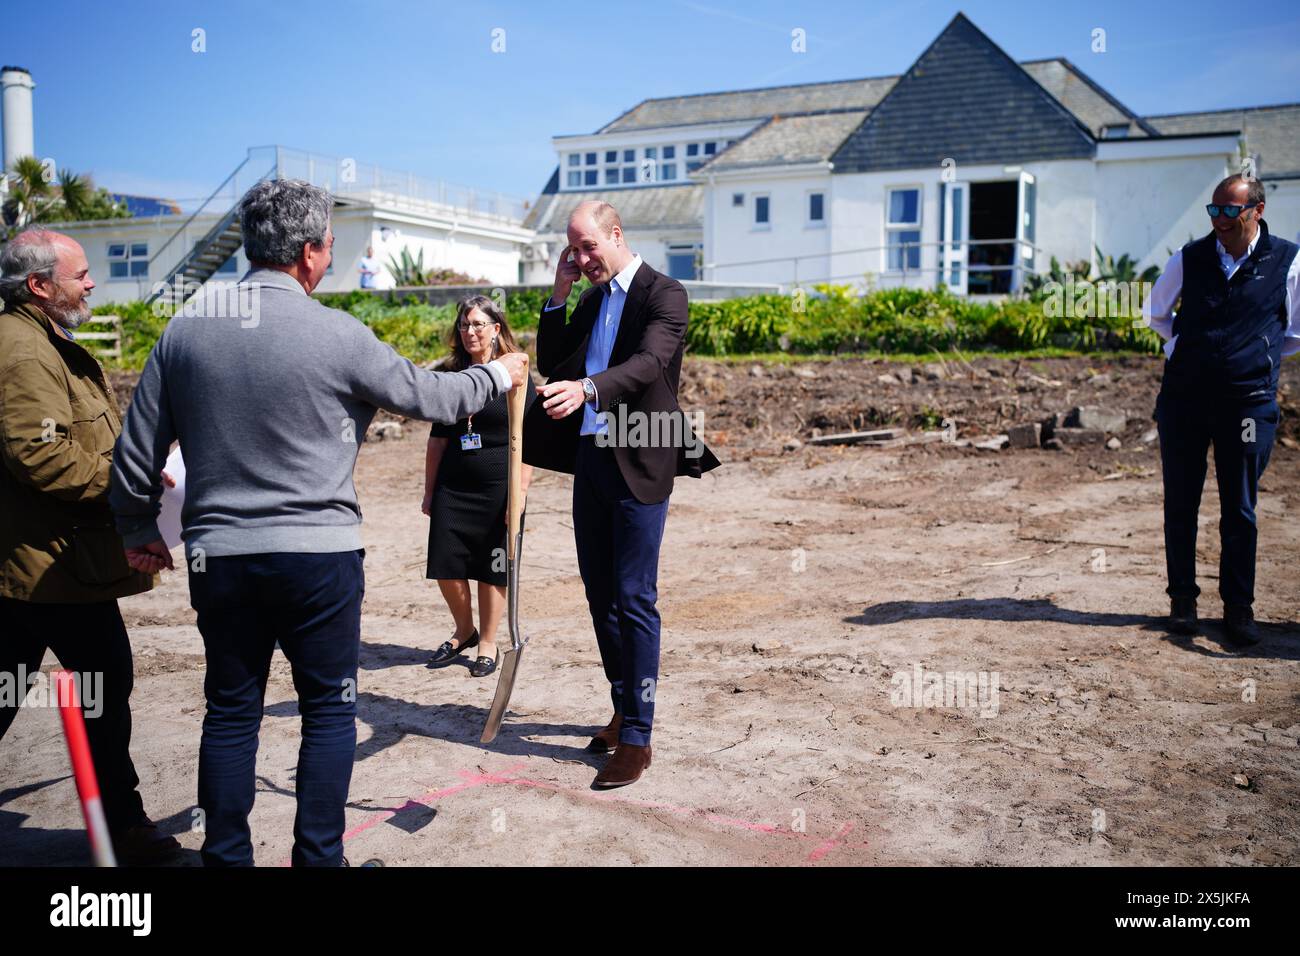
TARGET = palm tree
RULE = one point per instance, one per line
(1123, 269)
(30, 197)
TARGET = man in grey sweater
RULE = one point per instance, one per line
(269, 394)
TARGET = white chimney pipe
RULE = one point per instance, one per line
(19, 138)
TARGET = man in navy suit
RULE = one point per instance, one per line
(1238, 295)
(609, 416)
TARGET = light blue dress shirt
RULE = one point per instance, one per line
(603, 333)
(601, 344)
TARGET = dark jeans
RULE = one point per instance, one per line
(618, 556)
(87, 639)
(1187, 429)
(311, 604)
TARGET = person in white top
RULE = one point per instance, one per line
(369, 268)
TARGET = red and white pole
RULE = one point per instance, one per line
(83, 768)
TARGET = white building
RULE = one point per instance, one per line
(969, 169)
(454, 227)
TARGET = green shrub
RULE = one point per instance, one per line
(832, 319)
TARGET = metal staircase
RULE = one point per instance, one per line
(217, 245)
(184, 263)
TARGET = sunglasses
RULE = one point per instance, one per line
(1232, 212)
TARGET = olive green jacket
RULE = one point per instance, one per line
(58, 423)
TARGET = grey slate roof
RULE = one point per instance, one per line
(640, 207)
(966, 99)
(1271, 131)
(1077, 92)
(754, 104)
(789, 139)
(536, 209)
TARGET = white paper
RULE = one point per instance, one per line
(173, 499)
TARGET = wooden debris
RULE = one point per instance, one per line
(877, 436)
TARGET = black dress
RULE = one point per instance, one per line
(467, 517)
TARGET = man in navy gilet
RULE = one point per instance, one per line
(1239, 315)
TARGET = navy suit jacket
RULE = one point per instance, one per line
(644, 370)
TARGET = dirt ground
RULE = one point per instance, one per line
(795, 584)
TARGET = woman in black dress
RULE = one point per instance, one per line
(465, 483)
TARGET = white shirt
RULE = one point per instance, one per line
(1158, 309)
(369, 269)
(603, 332)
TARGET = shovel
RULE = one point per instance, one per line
(514, 550)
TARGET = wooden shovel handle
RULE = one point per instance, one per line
(515, 496)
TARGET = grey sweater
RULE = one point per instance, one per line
(269, 410)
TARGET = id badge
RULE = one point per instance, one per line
(471, 442)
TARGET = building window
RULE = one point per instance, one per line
(611, 156)
(817, 209)
(590, 177)
(692, 165)
(651, 153)
(611, 176)
(668, 171)
(761, 217)
(682, 261)
(903, 229)
(670, 152)
(710, 149)
(575, 159)
(629, 174)
(591, 159)
(575, 177)
(1115, 131)
(692, 149)
(629, 155)
(738, 199)
(128, 260)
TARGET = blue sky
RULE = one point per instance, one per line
(415, 85)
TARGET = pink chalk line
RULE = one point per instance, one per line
(471, 779)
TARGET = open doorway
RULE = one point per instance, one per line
(992, 216)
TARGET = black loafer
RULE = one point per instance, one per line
(448, 652)
(1239, 623)
(1182, 616)
(483, 666)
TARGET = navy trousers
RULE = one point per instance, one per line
(87, 639)
(311, 604)
(1242, 436)
(618, 541)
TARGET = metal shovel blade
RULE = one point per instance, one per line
(505, 687)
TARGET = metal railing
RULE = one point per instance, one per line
(347, 177)
(341, 177)
(1019, 269)
(219, 202)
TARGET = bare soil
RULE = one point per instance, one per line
(794, 586)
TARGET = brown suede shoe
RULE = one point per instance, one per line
(626, 766)
(143, 844)
(607, 740)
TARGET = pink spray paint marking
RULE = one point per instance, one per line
(471, 779)
(830, 844)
